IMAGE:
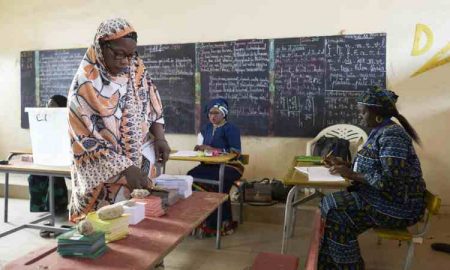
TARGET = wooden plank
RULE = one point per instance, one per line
(275, 261)
(314, 245)
(147, 243)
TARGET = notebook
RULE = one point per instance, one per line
(319, 174)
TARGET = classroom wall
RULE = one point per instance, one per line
(424, 100)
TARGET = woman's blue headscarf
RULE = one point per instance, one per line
(218, 103)
(378, 97)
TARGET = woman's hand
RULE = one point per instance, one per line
(162, 150)
(136, 179)
(204, 147)
(347, 173)
(331, 161)
(343, 170)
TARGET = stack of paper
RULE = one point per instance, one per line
(168, 196)
(135, 213)
(114, 229)
(182, 183)
(319, 174)
(153, 206)
(85, 246)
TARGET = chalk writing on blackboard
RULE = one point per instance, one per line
(279, 87)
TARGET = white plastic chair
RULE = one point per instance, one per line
(355, 135)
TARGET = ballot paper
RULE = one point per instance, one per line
(182, 183)
(319, 174)
(186, 153)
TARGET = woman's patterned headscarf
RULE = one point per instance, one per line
(219, 103)
(110, 30)
(378, 97)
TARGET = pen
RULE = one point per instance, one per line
(327, 156)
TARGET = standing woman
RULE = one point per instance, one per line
(224, 137)
(114, 108)
(387, 191)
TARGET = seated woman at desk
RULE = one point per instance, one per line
(38, 184)
(113, 108)
(221, 136)
(387, 190)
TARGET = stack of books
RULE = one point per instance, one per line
(74, 244)
(114, 229)
(181, 183)
(153, 206)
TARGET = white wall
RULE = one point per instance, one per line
(424, 100)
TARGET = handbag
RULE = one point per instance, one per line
(265, 191)
(258, 191)
(337, 146)
(279, 190)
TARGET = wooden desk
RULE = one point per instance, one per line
(222, 160)
(146, 245)
(214, 160)
(298, 179)
(19, 167)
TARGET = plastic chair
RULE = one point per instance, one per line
(433, 203)
(355, 135)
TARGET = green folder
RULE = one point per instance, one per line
(310, 159)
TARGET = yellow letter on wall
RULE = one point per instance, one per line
(422, 28)
(439, 59)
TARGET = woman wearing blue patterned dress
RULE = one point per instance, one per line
(221, 136)
(387, 186)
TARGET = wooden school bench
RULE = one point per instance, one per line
(274, 261)
(314, 244)
(146, 245)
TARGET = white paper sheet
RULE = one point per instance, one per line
(319, 174)
(185, 153)
(148, 151)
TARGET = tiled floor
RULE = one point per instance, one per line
(239, 249)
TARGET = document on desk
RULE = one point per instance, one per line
(320, 174)
(186, 153)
